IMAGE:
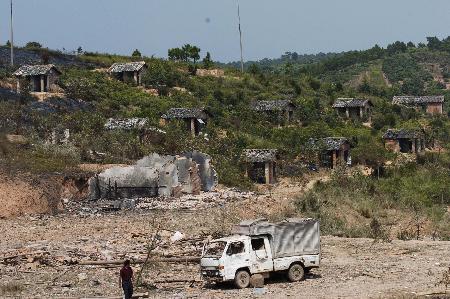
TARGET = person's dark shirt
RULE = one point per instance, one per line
(126, 273)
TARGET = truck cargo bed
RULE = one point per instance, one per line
(290, 237)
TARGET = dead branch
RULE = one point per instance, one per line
(141, 261)
(23, 255)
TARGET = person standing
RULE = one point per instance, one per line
(126, 279)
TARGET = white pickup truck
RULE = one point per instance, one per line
(259, 247)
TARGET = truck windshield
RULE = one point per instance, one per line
(215, 249)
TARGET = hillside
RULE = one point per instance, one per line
(88, 97)
(408, 68)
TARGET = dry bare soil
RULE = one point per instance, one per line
(40, 256)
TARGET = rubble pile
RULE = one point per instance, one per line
(192, 202)
(185, 202)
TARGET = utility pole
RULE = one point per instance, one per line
(12, 36)
(240, 39)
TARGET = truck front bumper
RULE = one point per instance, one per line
(212, 275)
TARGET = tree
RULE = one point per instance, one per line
(80, 50)
(8, 43)
(136, 53)
(207, 62)
(175, 54)
(397, 47)
(371, 153)
(414, 85)
(33, 45)
(186, 53)
(410, 45)
(194, 53)
(421, 45)
(254, 69)
(162, 75)
(186, 50)
(434, 43)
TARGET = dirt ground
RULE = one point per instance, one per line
(351, 268)
(22, 195)
(41, 256)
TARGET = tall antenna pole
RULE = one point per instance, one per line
(12, 36)
(240, 39)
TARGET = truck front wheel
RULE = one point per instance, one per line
(242, 279)
(296, 273)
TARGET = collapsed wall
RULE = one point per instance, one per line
(156, 175)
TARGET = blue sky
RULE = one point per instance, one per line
(270, 27)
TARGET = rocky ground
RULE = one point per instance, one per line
(45, 255)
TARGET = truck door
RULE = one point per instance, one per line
(237, 257)
(261, 255)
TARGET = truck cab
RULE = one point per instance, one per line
(252, 254)
(238, 257)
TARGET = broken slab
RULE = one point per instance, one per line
(188, 175)
(125, 182)
(168, 180)
(155, 161)
(208, 174)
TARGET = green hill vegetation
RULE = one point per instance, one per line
(311, 82)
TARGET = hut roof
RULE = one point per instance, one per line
(34, 70)
(259, 155)
(120, 67)
(417, 100)
(276, 105)
(327, 143)
(401, 134)
(351, 103)
(185, 113)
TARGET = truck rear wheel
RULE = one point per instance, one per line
(242, 279)
(296, 273)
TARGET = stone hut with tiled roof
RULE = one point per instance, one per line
(331, 151)
(128, 71)
(195, 119)
(41, 78)
(404, 141)
(282, 110)
(354, 108)
(261, 165)
(431, 104)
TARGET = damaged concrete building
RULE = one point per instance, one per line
(430, 104)
(331, 151)
(282, 111)
(128, 71)
(404, 141)
(261, 165)
(354, 108)
(40, 78)
(195, 119)
(156, 175)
